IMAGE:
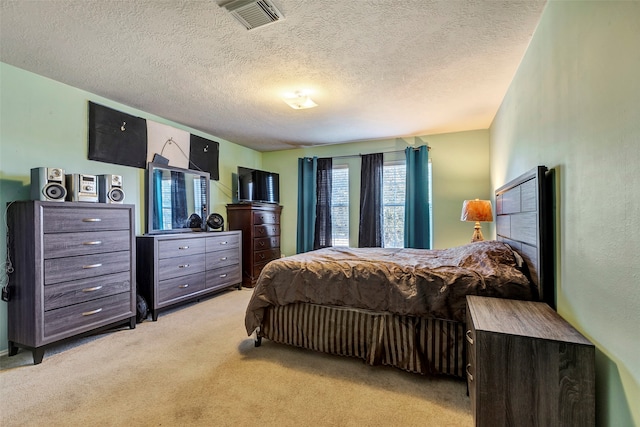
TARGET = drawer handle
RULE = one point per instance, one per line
(92, 266)
(468, 335)
(262, 244)
(469, 373)
(95, 288)
(183, 247)
(261, 256)
(91, 220)
(224, 258)
(89, 313)
(186, 285)
(224, 243)
(183, 266)
(94, 242)
(222, 276)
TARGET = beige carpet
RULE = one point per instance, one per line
(196, 366)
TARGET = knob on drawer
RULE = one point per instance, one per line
(468, 369)
(468, 335)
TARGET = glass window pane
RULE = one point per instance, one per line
(340, 206)
(393, 192)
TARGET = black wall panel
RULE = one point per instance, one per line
(117, 137)
(204, 155)
(120, 138)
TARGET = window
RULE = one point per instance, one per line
(393, 192)
(340, 206)
(393, 198)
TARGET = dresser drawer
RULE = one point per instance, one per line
(224, 242)
(266, 255)
(180, 247)
(88, 314)
(78, 291)
(265, 218)
(266, 243)
(266, 230)
(85, 243)
(223, 276)
(180, 266)
(75, 219)
(58, 270)
(257, 269)
(178, 287)
(221, 258)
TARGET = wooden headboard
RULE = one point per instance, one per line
(524, 220)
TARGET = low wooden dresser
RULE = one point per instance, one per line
(260, 225)
(177, 268)
(527, 366)
(74, 271)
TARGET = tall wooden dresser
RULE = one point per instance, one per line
(260, 225)
(74, 271)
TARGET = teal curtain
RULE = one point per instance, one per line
(307, 171)
(417, 232)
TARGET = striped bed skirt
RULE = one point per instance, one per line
(426, 346)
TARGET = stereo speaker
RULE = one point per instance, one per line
(82, 187)
(48, 184)
(110, 189)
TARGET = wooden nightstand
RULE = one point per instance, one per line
(527, 366)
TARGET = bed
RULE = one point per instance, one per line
(406, 307)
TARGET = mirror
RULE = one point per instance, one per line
(177, 199)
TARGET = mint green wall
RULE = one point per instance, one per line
(44, 123)
(460, 165)
(574, 106)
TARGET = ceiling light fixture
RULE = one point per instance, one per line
(299, 101)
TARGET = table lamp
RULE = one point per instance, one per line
(477, 210)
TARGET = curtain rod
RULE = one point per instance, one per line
(346, 156)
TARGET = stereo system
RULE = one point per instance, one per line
(110, 189)
(53, 185)
(48, 184)
(82, 187)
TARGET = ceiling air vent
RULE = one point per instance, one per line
(253, 13)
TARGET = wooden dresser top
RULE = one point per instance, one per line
(523, 318)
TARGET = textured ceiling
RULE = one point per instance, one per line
(377, 68)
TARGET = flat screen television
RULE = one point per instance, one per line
(258, 186)
(177, 199)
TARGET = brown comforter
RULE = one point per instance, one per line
(428, 283)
